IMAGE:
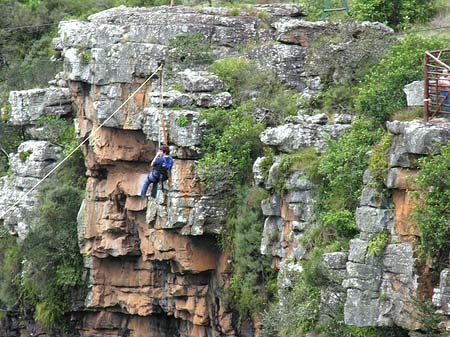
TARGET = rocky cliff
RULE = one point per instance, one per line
(156, 265)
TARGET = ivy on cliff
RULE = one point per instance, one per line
(432, 213)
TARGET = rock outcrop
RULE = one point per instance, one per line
(155, 266)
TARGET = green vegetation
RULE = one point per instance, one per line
(398, 14)
(244, 78)
(23, 155)
(253, 281)
(304, 160)
(10, 139)
(188, 50)
(381, 91)
(432, 213)
(343, 165)
(378, 164)
(377, 244)
(298, 313)
(182, 121)
(42, 273)
(230, 144)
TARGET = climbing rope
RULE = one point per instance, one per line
(81, 144)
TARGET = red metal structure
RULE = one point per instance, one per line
(437, 83)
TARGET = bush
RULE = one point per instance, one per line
(304, 160)
(342, 166)
(253, 280)
(381, 91)
(432, 212)
(298, 312)
(396, 13)
(256, 88)
(189, 49)
(10, 139)
(230, 144)
(377, 244)
(378, 164)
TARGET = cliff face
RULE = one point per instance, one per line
(156, 265)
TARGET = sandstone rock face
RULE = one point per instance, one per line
(154, 267)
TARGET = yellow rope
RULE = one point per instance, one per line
(81, 144)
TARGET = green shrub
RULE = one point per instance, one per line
(343, 164)
(182, 121)
(378, 164)
(10, 139)
(253, 281)
(189, 49)
(343, 221)
(234, 12)
(432, 213)
(231, 144)
(397, 13)
(303, 160)
(381, 92)
(243, 79)
(297, 314)
(10, 265)
(377, 244)
(53, 268)
(23, 155)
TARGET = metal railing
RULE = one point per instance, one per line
(437, 83)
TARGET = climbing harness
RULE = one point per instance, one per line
(328, 8)
(82, 143)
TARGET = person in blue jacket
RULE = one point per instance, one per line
(161, 166)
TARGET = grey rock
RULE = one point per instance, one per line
(292, 137)
(34, 159)
(343, 119)
(373, 220)
(335, 260)
(182, 126)
(320, 119)
(271, 236)
(392, 180)
(305, 212)
(205, 100)
(298, 181)
(363, 285)
(273, 176)
(298, 226)
(284, 60)
(271, 206)
(399, 259)
(421, 137)
(194, 81)
(171, 99)
(373, 197)
(12, 190)
(360, 310)
(27, 106)
(398, 155)
(363, 271)
(414, 93)
(208, 216)
(257, 172)
(304, 197)
(358, 250)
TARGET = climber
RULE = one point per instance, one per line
(444, 91)
(161, 166)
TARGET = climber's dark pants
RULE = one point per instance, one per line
(150, 179)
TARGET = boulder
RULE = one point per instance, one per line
(414, 93)
(27, 106)
(200, 81)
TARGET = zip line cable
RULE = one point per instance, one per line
(81, 144)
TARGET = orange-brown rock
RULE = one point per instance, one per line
(405, 226)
